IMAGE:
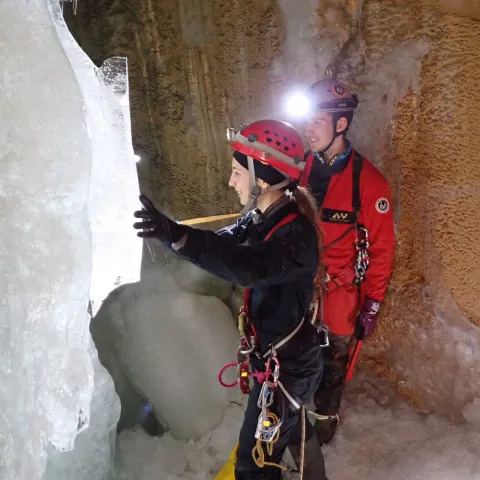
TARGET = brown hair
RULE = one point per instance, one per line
(307, 208)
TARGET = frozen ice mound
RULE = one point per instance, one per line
(163, 270)
(172, 345)
(59, 117)
(175, 306)
(192, 279)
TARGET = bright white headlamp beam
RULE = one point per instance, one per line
(297, 105)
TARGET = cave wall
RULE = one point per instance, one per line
(197, 66)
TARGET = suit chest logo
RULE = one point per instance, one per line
(337, 216)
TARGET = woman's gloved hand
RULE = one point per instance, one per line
(155, 224)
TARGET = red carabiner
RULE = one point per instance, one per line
(276, 371)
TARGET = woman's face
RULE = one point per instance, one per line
(240, 181)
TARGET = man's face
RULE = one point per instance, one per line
(319, 131)
(240, 181)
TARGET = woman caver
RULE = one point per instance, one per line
(273, 250)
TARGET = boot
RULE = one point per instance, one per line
(313, 465)
(325, 427)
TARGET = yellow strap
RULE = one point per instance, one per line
(213, 218)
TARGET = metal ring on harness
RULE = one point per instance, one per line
(247, 351)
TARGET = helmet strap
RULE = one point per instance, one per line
(278, 186)
(255, 190)
(336, 134)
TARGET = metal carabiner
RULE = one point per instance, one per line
(276, 370)
(245, 349)
(265, 399)
(324, 329)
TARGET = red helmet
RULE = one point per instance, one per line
(331, 96)
(275, 143)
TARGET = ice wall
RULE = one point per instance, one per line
(64, 142)
(92, 455)
(113, 182)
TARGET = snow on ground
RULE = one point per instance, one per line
(380, 438)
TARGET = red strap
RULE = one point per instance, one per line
(280, 224)
(339, 276)
(247, 293)
(306, 171)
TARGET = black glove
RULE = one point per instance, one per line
(155, 224)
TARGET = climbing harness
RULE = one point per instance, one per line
(248, 341)
(268, 424)
(345, 275)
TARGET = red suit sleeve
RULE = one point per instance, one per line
(377, 216)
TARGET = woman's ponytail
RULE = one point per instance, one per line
(307, 207)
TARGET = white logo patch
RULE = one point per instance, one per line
(382, 205)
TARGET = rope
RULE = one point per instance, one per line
(302, 446)
(220, 375)
(258, 454)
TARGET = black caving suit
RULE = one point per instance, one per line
(280, 272)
